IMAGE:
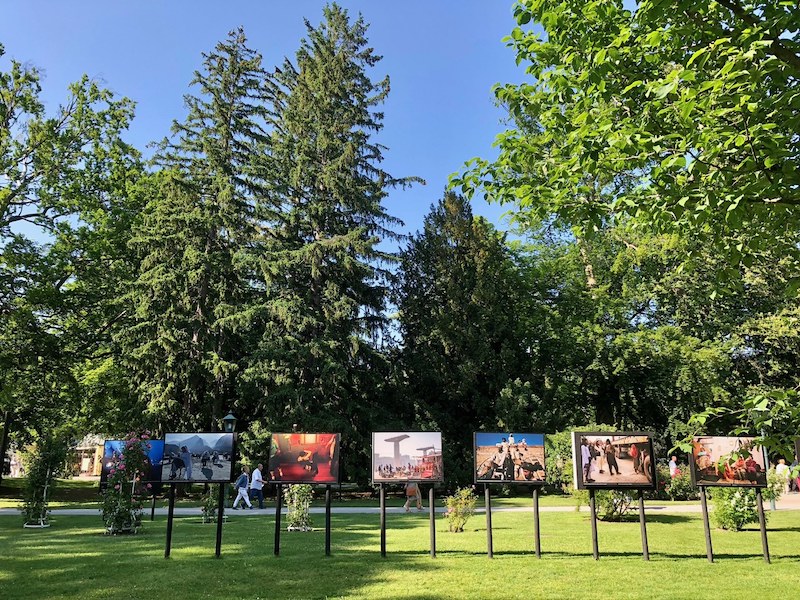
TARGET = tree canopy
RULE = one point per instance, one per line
(679, 115)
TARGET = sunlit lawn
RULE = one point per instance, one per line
(73, 559)
(76, 493)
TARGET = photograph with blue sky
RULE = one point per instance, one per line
(509, 457)
(399, 456)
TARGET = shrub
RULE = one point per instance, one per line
(298, 504)
(736, 507)
(775, 485)
(733, 508)
(209, 505)
(609, 505)
(663, 481)
(43, 463)
(122, 498)
(680, 486)
(460, 507)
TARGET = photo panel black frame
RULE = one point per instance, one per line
(694, 467)
(577, 467)
(517, 441)
(430, 456)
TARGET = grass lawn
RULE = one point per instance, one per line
(73, 559)
(77, 493)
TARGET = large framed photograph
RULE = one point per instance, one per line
(155, 456)
(509, 457)
(618, 460)
(721, 461)
(400, 456)
(198, 457)
(304, 458)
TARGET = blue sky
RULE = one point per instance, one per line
(442, 57)
(492, 439)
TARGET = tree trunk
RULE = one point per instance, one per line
(588, 269)
(4, 441)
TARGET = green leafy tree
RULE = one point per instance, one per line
(64, 214)
(681, 115)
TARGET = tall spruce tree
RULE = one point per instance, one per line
(326, 278)
(195, 242)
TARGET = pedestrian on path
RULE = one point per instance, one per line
(413, 493)
(257, 486)
(241, 488)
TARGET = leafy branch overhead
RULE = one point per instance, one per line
(682, 116)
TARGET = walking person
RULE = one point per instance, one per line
(611, 457)
(241, 489)
(413, 493)
(257, 486)
(673, 466)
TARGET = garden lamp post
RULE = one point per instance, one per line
(229, 423)
(229, 426)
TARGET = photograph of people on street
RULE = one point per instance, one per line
(509, 457)
(304, 458)
(605, 460)
(727, 461)
(401, 456)
(203, 457)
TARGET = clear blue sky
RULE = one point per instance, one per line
(442, 57)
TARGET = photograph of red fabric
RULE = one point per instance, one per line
(304, 458)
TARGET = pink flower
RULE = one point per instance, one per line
(149, 486)
(116, 487)
(112, 471)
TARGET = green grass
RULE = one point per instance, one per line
(77, 493)
(73, 559)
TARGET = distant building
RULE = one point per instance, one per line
(87, 458)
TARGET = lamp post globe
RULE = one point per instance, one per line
(229, 423)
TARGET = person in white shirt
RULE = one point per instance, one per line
(782, 471)
(673, 466)
(257, 486)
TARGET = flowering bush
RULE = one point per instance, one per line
(460, 507)
(733, 508)
(736, 507)
(122, 498)
(298, 504)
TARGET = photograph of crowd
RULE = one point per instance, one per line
(202, 457)
(407, 456)
(619, 460)
(155, 456)
(304, 458)
(509, 457)
(727, 461)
